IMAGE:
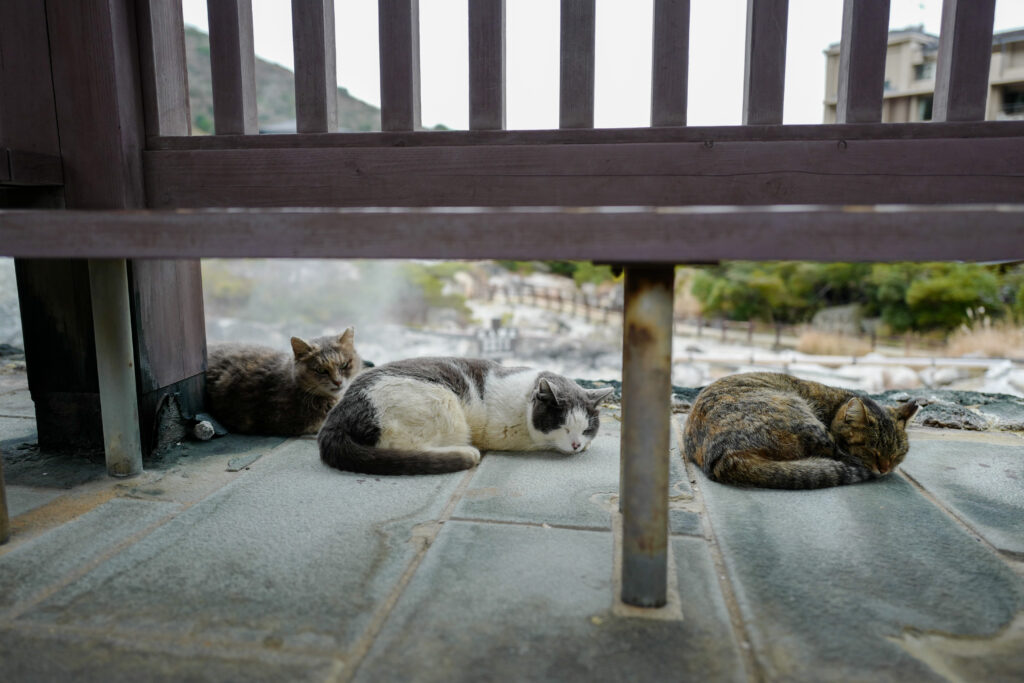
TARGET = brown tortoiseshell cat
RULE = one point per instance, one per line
(776, 431)
(259, 390)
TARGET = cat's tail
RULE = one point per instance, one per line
(338, 450)
(751, 469)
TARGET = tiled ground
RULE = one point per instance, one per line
(288, 570)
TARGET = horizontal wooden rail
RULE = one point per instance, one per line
(605, 234)
(594, 136)
(739, 171)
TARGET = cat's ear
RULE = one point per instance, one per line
(904, 412)
(545, 391)
(300, 348)
(854, 413)
(595, 396)
(345, 339)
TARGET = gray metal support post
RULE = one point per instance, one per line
(646, 387)
(115, 365)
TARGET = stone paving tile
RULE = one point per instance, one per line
(18, 402)
(21, 499)
(55, 655)
(563, 490)
(35, 565)
(292, 555)
(983, 483)
(512, 602)
(827, 580)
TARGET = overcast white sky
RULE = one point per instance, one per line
(623, 60)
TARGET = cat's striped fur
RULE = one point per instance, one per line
(775, 431)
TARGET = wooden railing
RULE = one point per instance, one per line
(121, 158)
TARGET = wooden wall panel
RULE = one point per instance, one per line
(163, 68)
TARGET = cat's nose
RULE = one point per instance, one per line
(576, 445)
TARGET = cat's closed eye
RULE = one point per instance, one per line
(344, 366)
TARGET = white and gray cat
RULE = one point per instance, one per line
(430, 415)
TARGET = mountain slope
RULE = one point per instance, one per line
(275, 92)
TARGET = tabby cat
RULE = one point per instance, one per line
(259, 390)
(776, 431)
(428, 415)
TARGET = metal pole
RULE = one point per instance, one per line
(5, 520)
(115, 364)
(646, 387)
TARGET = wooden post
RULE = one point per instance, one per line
(5, 519)
(316, 80)
(576, 65)
(862, 61)
(764, 72)
(487, 64)
(233, 67)
(962, 66)
(399, 43)
(115, 359)
(670, 62)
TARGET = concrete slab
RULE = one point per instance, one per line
(17, 402)
(292, 555)
(21, 499)
(982, 483)
(515, 602)
(48, 654)
(15, 432)
(564, 490)
(37, 564)
(825, 580)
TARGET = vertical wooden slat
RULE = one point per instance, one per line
(316, 80)
(399, 27)
(862, 61)
(670, 62)
(965, 50)
(233, 67)
(764, 70)
(486, 64)
(163, 68)
(576, 65)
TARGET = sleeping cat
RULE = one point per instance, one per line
(429, 415)
(259, 390)
(776, 431)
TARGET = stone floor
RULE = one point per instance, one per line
(245, 559)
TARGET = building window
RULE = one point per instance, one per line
(1013, 101)
(923, 72)
(924, 108)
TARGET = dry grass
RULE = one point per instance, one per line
(831, 344)
(992, 340)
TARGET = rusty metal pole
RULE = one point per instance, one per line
(115, 365)
(646, 387)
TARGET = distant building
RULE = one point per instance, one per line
(910, 77)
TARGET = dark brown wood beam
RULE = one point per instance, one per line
(487, 64)
(764, 69)
(583, 136)
(867, 171)
(609, 234)
(576, 64)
